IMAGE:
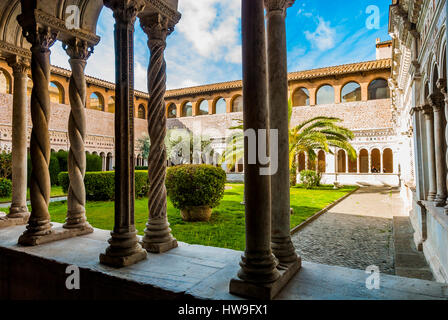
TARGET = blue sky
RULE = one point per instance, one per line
(206, 44)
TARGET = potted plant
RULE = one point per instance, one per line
(195, 190)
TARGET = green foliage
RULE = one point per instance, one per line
(100, 186)
(140, 168)
(293, 174)
(195, 185)
(54, 169)
(62, 157)
(5, 164)
(310, 178)
(94, 163)
(5, 187)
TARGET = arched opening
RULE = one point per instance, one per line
(321, 162)
(172, 111)
(325, 95)
(376, 161)
(56, 92)
(237, 104)
(5, 82)
(351, 92)
(187, 109)
(342, 165)
(141, 112)
(109, 165)
(203, 108)
(240, 166)
(301, 97)
(435, 77)
(379, 89)
(311, 164)
(388, 161)
(364, 161)
(220, 106)
(302, 162)
(111, 105)
(96, 101)
(352, 165)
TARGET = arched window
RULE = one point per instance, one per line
(301, 97)
(56, 93)
(203, 108)
(351, 92)
(352, 165)
(302, 161)
(141, 112)
(379, 89)
(237, 104)
(187, 109)
(364, 161)
(321, 167)
(220, 106)
(325, 95)
(5, 82)
(342, 165)
(96, 101)
(172, 111)
(375, 161)
(388, 161)
(111, 105)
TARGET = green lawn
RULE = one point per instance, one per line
(56, 191)
(226, 226)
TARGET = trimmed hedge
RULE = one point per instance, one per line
(100, 186)
(5, 187)
(141, 168)
(195, 185)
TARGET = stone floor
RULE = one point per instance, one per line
(356, 233)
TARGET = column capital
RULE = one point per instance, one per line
(157, 27)
(125, 11)
(40, 37)
(441, 85)
(426, 109)
(18, 64)
(77, 49)
(277, 6)
(436, 100)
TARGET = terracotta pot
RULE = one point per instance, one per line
(201, 213)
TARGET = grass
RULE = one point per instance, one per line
(56, 191)
(226, 227)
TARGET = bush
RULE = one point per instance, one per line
(94, 163)
(5, 165)
(141, 168)
(100, 186)
(62, 157)
(54, 169)
(310, 178)
(5, 187)
(195, 185)
(293, 174)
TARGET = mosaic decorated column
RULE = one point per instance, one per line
(282, 246)
(432, 188)
(158, 236)
(19, 208)
(78, 52)
(124, 248)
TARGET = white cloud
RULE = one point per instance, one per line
(323, 37)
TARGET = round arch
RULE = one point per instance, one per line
(378, 89)
(111, 104)
(56, 91)
(341, 161)
(237, 103)
(388, 161)
(141, 113)
(5, 81)
(364, 161)
(187, 109)
(351, 92)
(219, 106)
(172, 110)
(96, 101)
(325, 94)
(375, 155)
(301, 97)
(202, 107)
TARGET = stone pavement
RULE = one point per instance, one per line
(356, 233)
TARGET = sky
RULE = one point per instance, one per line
(206, 44)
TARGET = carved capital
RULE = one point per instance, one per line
(427, 110)
(40, 37)
(125, 11)
(441, 85)
(18, 64)
(277, 6)
(436, 101)
(157, 27)
(77, 49)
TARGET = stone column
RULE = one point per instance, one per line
(41, 39)
(346, 162)
(19, 208)
(432, 190)
(258, 266)
(358, 162)
(124, 248)
(79, 52)
(369, 156)
(436, 102)
(282, 246)
(158, 236)
(442, 85)
(381, 161)
(103, 162)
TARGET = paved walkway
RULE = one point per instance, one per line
(54, 199)
(356, 233)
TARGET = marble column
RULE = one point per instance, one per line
(442, 85)
(79, 52)
(381, 161)
(258, 265)
(346, 162)
(369, 155)
(358, 163)
(282, 246)
(41, 39)
(19, 208)
(124, 248)
(429, 120)
(158, 237)
(436, 103)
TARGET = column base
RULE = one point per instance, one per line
(15, 219)
(159, 247)
(29, 239)
(123, 261)
(265, 291)
(440, 201)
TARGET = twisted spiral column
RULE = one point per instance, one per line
(158, 236)
(78, 52)
(39, 224)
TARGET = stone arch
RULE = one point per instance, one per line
(388, 161)
(351, 91)
(321, 162)
(111, 104)
(237, 103)
(375, 160)
(96, 100)
(378, 89)
(219, 106)
(301, 97)
(352, 165)
(172, 110)
(434, 78)
(202, 107)
(341, 161)
(301, 161)
(5, 81)
(187, 109)
(57, 93)
(325, 94)
(141, 113)
(364, 161)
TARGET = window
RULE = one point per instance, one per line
(5, 82)
(237, 104)
(56, 95)
(141, 112)
(172, 111)
(301, 97)
(388, 161)
(351, 92)
(375, 161)
(203, 108)
(187, 109)
(220, 106)
(342, 165)
(325, 95)
(379, 89)
(96, 102)
(111, 105)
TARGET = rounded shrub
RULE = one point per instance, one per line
(54, 169)
(310, 178)
(5, 187)
(195, 185)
